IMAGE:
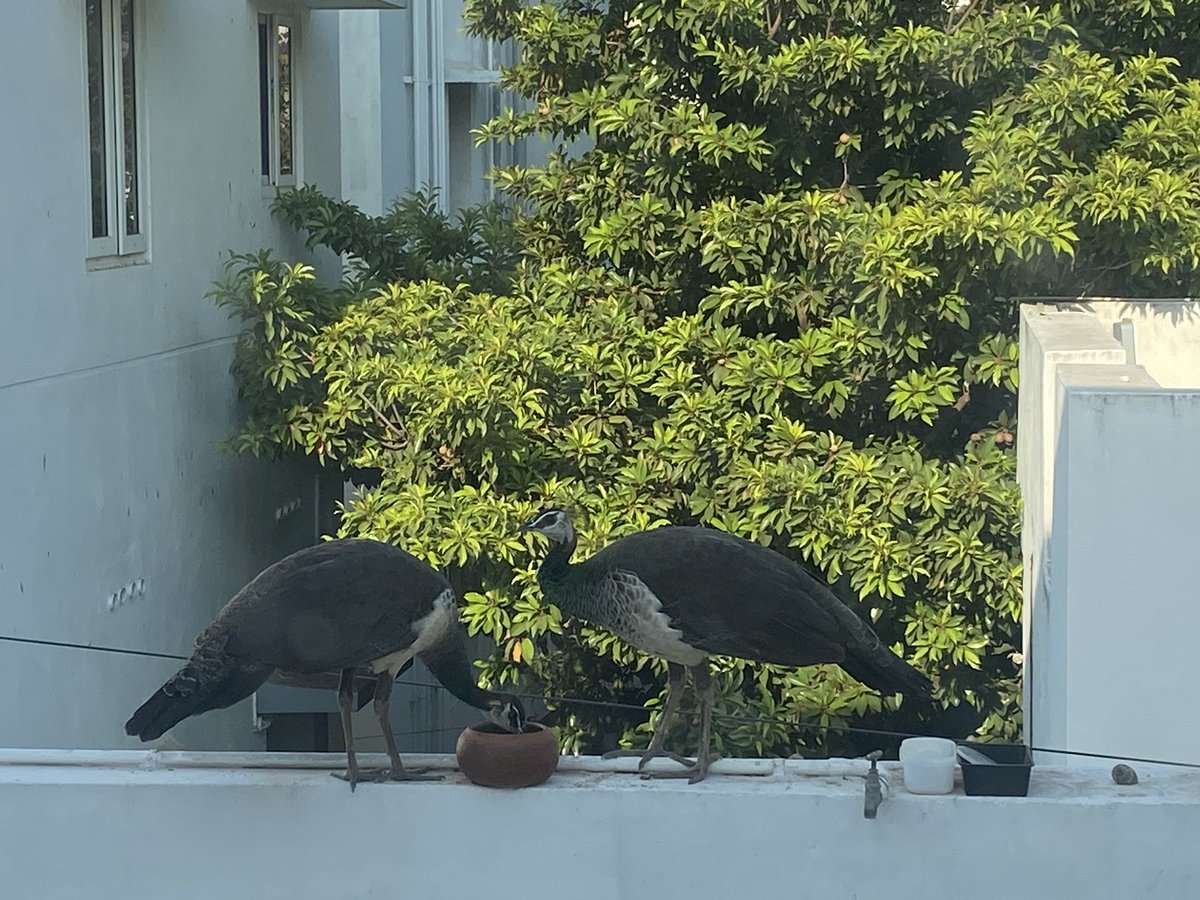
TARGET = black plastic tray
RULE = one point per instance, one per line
(1009, 777)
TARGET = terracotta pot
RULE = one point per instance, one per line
(493, 757)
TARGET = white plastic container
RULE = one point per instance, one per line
(928, 765)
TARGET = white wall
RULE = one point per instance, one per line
(1166, 336)
(114, 384)
(414, 85)
(799, 833)
(1112, 511)
(361, 87)
(1049, 338)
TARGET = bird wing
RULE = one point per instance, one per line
(335, 605)
(732, 597)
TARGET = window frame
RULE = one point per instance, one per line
(118, 242)
(273, 177)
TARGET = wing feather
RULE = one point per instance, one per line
(337, 604)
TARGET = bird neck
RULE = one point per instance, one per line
(557, 564)
(450, 665)
(559, 581)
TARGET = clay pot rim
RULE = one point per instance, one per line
(491, 729)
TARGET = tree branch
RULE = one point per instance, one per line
(953, 24)
(391, 426)
(964, 398)
(773, 27)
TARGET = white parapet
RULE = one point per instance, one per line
(131, 825)
(1109, 421)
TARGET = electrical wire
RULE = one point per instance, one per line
(403, 734)
(630, 707)
(98, 647)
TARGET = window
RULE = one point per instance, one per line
(277, 100)
(112, 38)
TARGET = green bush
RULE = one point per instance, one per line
(774, 297)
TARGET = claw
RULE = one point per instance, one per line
(617, 754)
(682, 760)
(695, 772)
(382, 776)
(416, 776)
(644, 756)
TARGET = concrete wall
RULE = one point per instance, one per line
(414, 85)
(229, 831)
(1111, 518)
(360, 88)
(1128, 516)
(1049, 338)
(114, 384)
(1164, 336)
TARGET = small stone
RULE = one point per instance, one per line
(1123, 774)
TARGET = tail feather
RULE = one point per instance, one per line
(883, 670)
(201, 685)
(159, 714)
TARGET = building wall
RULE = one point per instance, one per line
(1111, 518)
(1164, 336)
(414, 86)
(114, 384)
(1127, 516)
(360, 85)
(1049, 339)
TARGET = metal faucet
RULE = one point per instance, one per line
(873, 793)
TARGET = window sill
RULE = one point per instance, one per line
(271, 191)
(103, 263)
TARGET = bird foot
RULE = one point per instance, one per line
(413, 775)
(382, 776)
(695, 772)
(646, 755)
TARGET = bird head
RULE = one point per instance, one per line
(506, 711)
(553, 523)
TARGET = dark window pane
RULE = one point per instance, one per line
(283, 50)
(96, 145)
(264, 93)
(129, 114)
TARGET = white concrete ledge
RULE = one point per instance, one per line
(184, 759)
(120, 824)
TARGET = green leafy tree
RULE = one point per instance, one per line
(773, 297)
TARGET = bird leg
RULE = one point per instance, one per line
(676, 674)
(704, 689)
(383, 696)
(382, 704)
(346, 703)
